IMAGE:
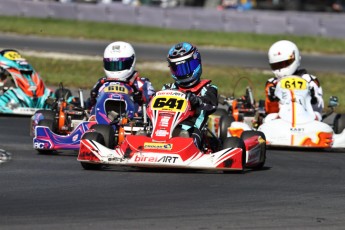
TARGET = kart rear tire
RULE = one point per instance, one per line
(236, 142)
(220, 112)
(339, 123)
(94, 136)
(250, 133)
(108, 134)
(50, 124)
(47, 114)
(224, 124)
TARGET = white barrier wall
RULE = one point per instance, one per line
(261, 22)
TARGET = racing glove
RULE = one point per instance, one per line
(138, 97)
(312, 94)
(194, 100)
(271, 95)
(93, 99)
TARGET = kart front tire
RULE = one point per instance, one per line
(236, 142)
(250, 133)
(339, 123)
(224, 124)
(108, 134)
(47, 114)
(93, 136)
(220, 112)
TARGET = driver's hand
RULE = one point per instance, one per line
(194, 100)
(271, 95)
(138, 97)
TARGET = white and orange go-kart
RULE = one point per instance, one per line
(296, 124)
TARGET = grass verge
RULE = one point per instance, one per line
(145, 34)
(230, 81)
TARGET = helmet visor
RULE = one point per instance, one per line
(282, 64)
(184, 69)
(118, 64)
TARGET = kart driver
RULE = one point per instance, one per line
(11, 58)
(185, 66)
(284, 59)
(119, 65)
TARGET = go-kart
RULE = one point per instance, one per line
(243, 113)
(164, 144)
(62, 127)
(297, 124)
(22, 91)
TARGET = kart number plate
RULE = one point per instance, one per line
(171, 103)
(12, 55)
(293, 83)
(116, 89)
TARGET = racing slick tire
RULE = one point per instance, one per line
(108, 134)
(339, 123)
(50, 124)
(220, 112)
(236, 142)
(47, 114)
(224, 124)
(250, 133)
(94, 136)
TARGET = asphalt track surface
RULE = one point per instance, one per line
(154, 52)
(296, 190)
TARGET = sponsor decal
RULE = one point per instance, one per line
(296, 130)
(161, 133)
(41, 145)
(160, 159)
(75, 137)
(168, 92)
(261, 140)
(164, 122)
(162, 146)
(116, 159)
(33, 87)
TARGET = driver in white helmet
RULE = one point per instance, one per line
(119, 65)
(284, 59)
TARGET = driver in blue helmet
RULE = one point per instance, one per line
(185, 66)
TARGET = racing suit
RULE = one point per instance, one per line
(272, 102)
(142, 90)
(204, 99)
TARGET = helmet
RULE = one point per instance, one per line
(119, 61)
(284, 58)
(185, 64)
(12, 59)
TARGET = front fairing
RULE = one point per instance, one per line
(114, 97)
(15, 101)
(28, 95)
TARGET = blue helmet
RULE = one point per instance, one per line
(185, 64)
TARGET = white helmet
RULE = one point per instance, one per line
(284, 58)
(119, 61)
